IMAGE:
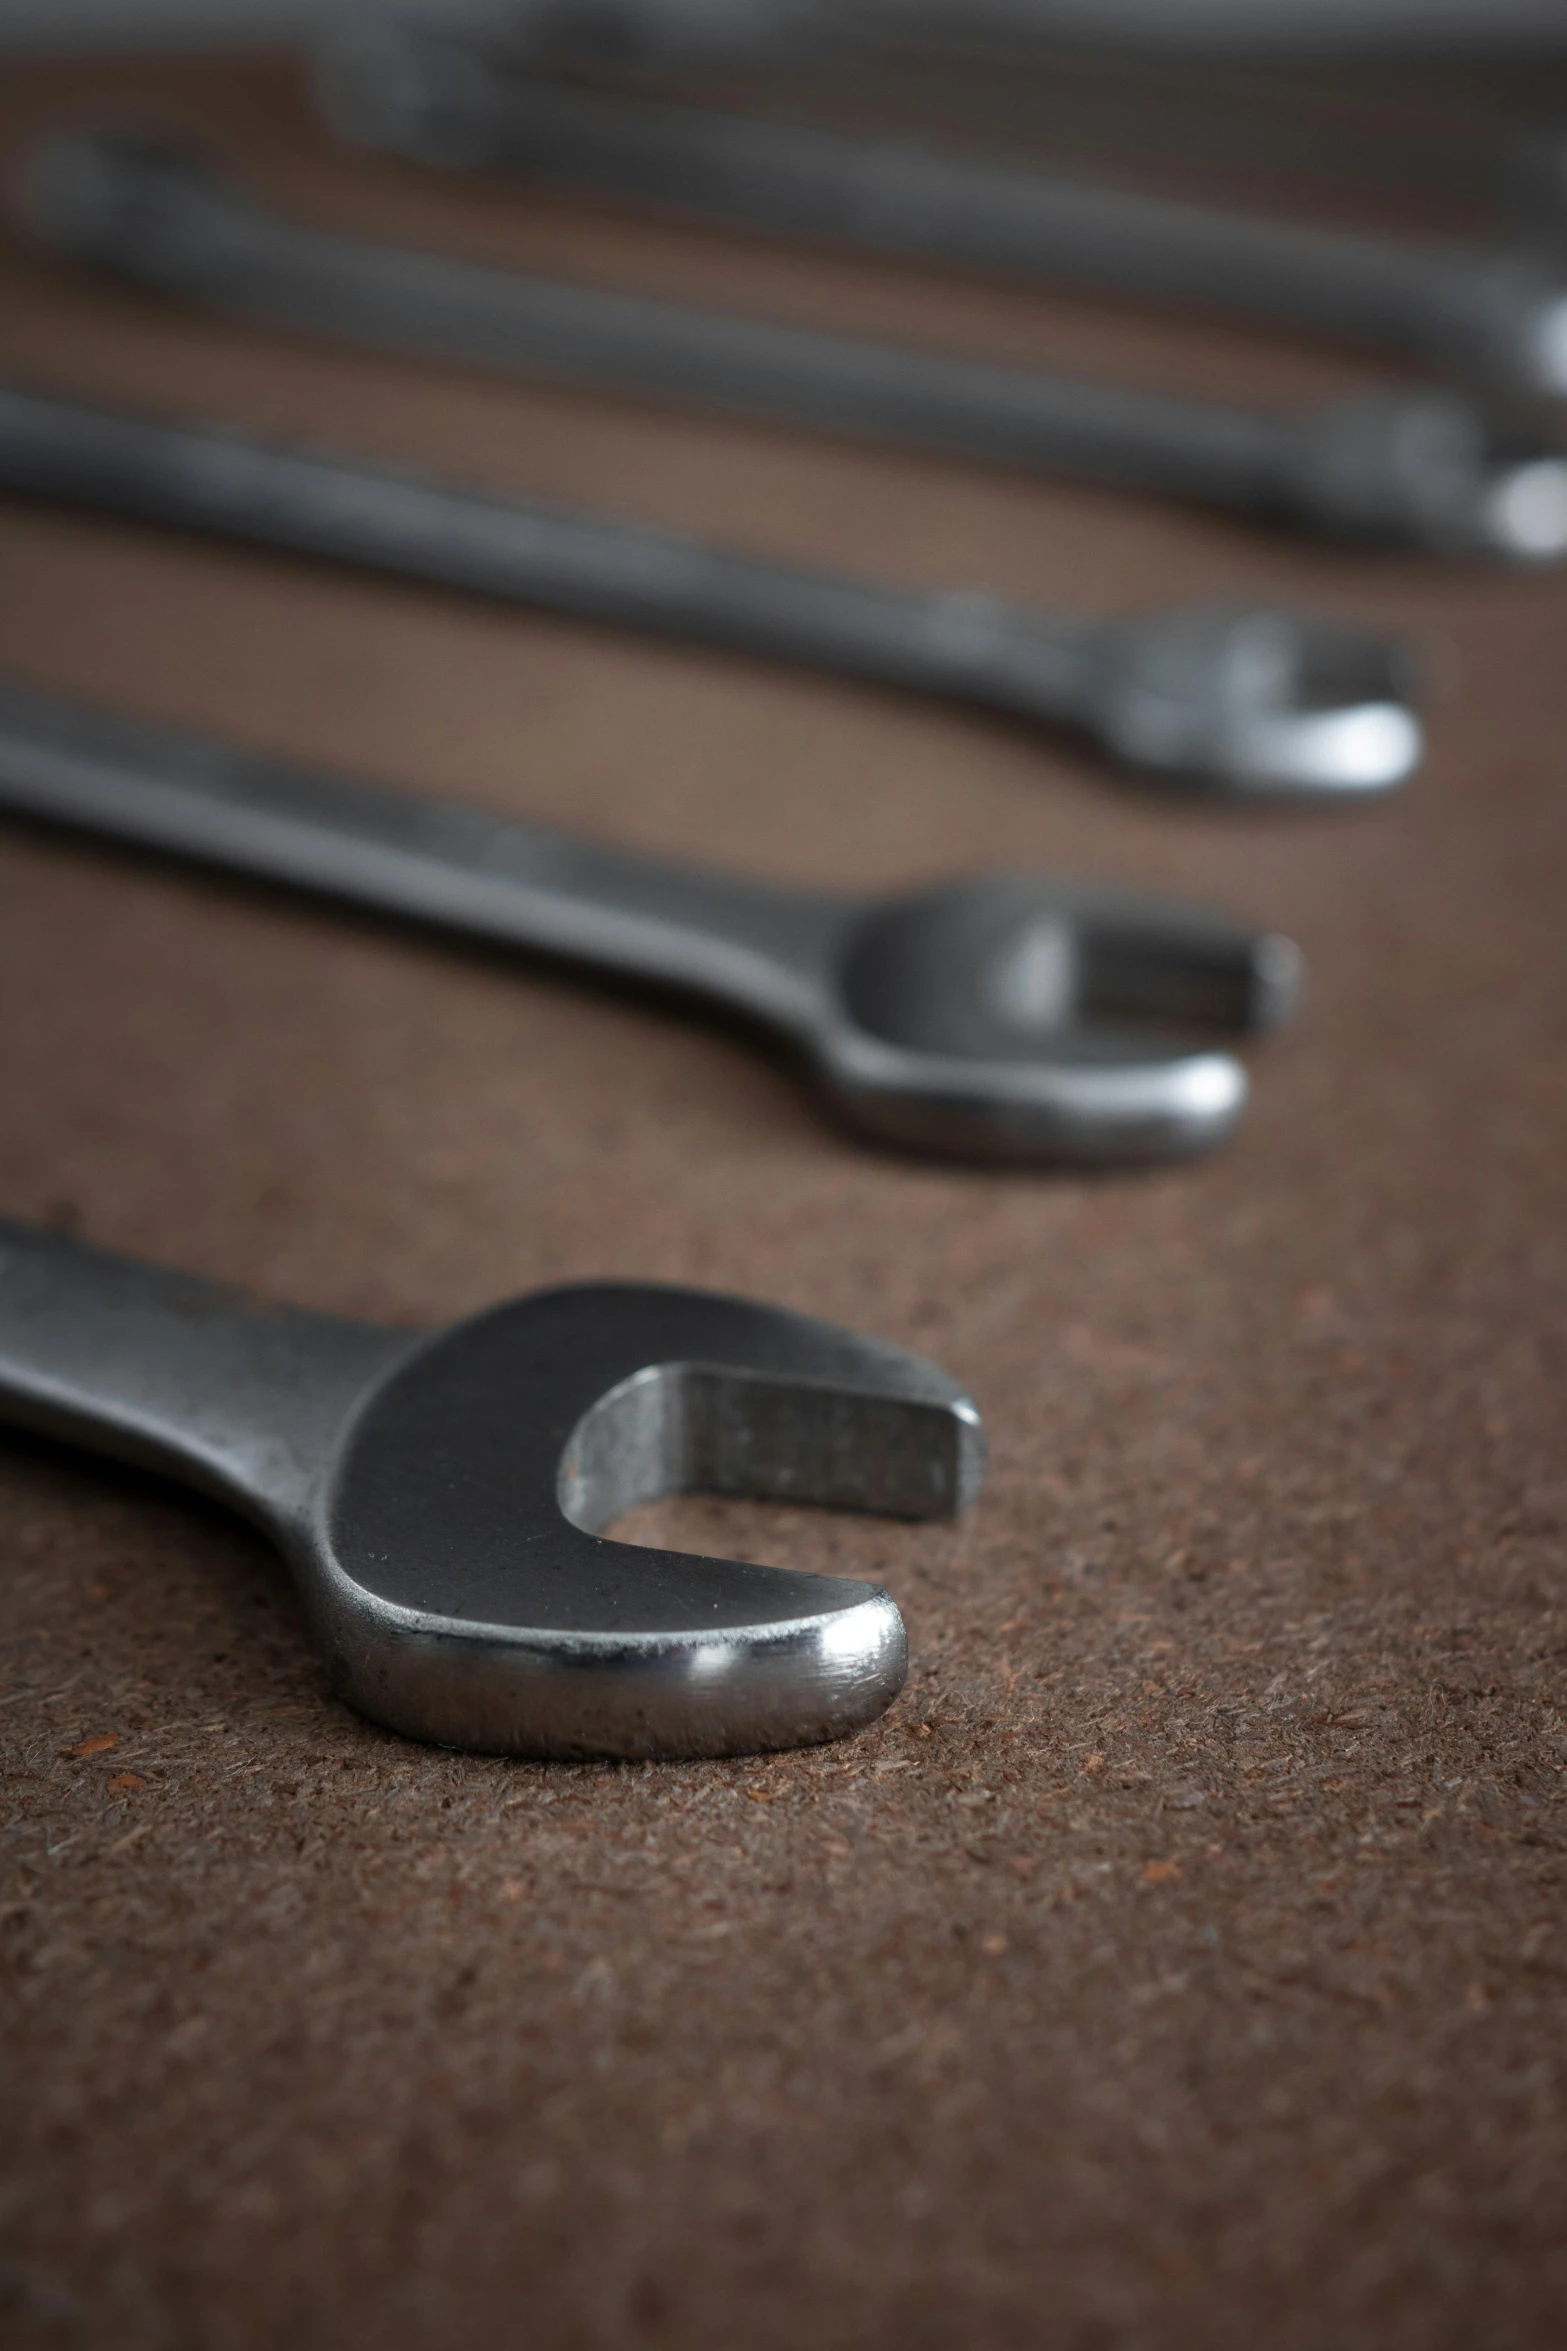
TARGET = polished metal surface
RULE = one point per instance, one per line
(1423, 469)
(441, 1498)
(1483, 314)
(1250, 703)
(1004, 1017)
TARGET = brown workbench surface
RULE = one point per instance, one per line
(1182, 1959)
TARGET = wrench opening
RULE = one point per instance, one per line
(709, 1428)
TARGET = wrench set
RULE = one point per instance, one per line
(441, 1498)
(1494, 316)
(1422, 469)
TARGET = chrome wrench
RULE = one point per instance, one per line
(441, 1497)
(1008, 1017)
(1428, 469)
(1252, 703)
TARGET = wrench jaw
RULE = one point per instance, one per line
(1256, 705)
(1089, 1107)
(558, 1697)
(464, 1594)
(1523, 513)
(1506, 328)
(1547, 345)
(1016, 1018)
(1432, 470)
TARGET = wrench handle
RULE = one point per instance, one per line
(441, 101)
(176, 1374)
(410, 525)
(162, 217)
(764, 951)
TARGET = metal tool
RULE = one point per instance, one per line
(440, 1497)
(1493, 316)
(1427, 469)
(1003, 1017)
(1250, 703)
(1469, 157)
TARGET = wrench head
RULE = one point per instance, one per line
(1260, 704)
(466, 1592)
(1017, 1016)
(1434, 469)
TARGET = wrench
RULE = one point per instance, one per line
(441, 1497)
(1483, 314)
(1006, 1017)
(1426, 469)
(1255, 704)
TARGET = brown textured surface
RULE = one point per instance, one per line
(1182, 1961)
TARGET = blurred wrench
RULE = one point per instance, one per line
(440, 1496)
(1493, 316)
(1425, 469)
(1257, 704)
(1008, 1017)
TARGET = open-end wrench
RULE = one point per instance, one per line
(1428, 469)
(441, 1497)
(1004, 1017)
(1483, 314)
(1254, 704)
